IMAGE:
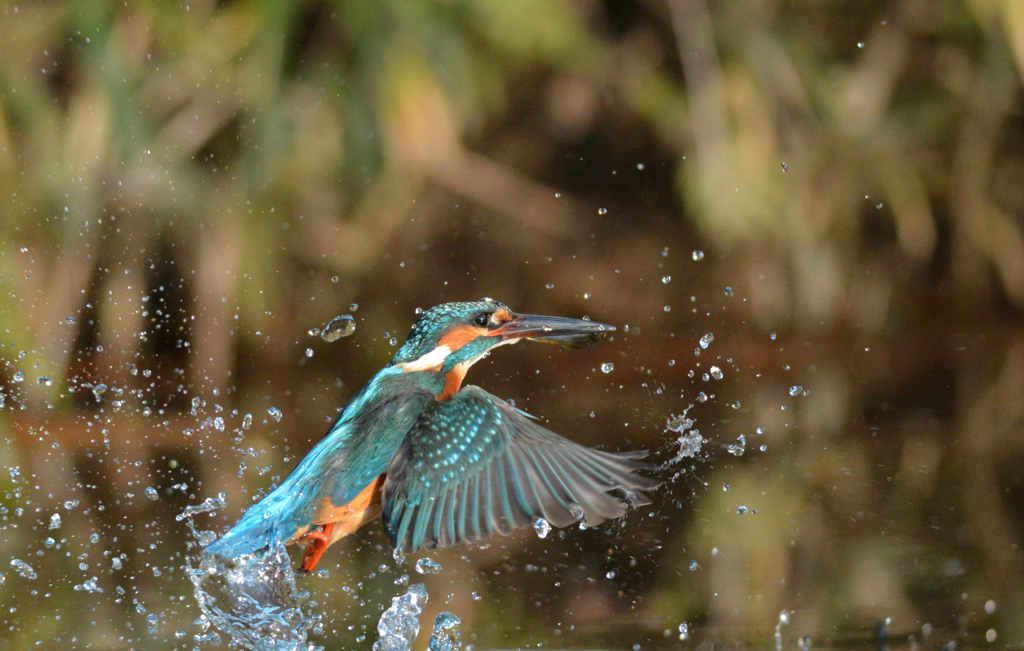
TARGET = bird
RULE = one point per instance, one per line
(439, 462)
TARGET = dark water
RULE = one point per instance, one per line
(867, 488)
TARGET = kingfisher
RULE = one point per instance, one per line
(440, 462)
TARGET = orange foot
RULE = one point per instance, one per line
(318, 541)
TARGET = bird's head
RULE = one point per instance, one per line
(450, 338)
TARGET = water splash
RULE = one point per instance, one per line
(428, 566)
(447, 633)
(400, 624)
(689, 440)
(209, 504)
(253, 599)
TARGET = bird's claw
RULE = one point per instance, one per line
(318, 541)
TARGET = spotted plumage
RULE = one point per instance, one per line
(439, 462)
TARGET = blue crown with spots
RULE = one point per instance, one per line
(436, 321)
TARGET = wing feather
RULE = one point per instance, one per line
(473, 465)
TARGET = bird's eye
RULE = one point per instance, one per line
(481, 319)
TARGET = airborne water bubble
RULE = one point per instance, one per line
(275, 413)
(23, 569)
(151, 493)
(339, 326)
(607, 367)
(716, 372)
(428, 566)
(706, 340)
(542, 527)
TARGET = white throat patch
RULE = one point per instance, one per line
(431, 360)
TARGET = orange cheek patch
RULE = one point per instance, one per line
(458, 337)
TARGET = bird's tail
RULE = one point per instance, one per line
(263, 525)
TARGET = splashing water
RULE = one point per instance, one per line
(253, 599)
(689, 440)
(400, 624)
(447, 633)
(209, 504)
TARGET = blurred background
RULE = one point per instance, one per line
(833, 189)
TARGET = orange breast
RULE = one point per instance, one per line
(349, 517)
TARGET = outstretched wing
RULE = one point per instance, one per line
(474, 465)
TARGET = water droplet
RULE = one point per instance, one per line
(716, 372)
(860, 45)
(684, 628)
(549, 286)
(602, 211)
(275, 413)
(151, 493)
(729, 291)
(393, 341)
(742, 510)
(313, 332)
(990, 607)
(702, 397)
(694, 566)
(739, 448)
(309, 352)
(23, 569)
(323, 573)
(706, 340)
(54, 522)
(697, 256)
(71, 319)
(795, 390)
(763, 448)
(542, 527)
(447, 633)
(610, 574)
(45, 381)
(428, 566)
(340, 326)
(668, 308)
(640, 166)
(607, 367)
(773, 336)
(725, 487)
(666, 279)
(785, 168)
(334, 279)
(247, 421)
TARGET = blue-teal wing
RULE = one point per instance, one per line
(474, 465)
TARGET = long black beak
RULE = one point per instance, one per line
(575, 333)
